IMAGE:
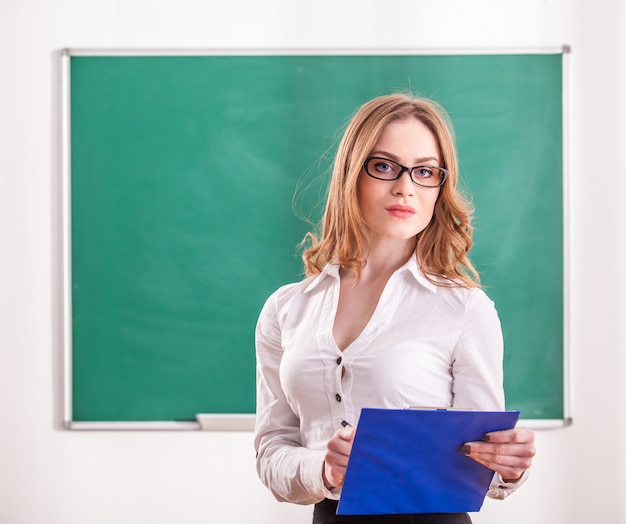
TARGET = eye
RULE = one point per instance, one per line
(383, 167)
(423, 172)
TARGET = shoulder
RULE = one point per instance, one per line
(289, 296)
(455, 292)
(467, 296)
(288, 292)
(306, 287)
(460, 296)
(476, 309)
(471, 306)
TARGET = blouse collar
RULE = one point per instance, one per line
(411, 266)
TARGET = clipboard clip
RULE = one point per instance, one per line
(434, 408)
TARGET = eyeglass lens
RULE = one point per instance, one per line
(385, 169)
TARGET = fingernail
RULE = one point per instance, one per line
(486, 438)
(466, 449)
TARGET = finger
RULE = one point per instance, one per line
(509, 460)
(335, 457)
(517, 461)
(334, 475)
(509, 472)
(339, 446)
(526, 450)
(346, 433)
(511, 435)
(335, 465)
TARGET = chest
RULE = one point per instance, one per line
(355, 307)
(406, 364)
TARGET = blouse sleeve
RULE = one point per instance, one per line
(477, 366)
(478, 370)
(290, 471)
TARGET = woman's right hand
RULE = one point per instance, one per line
(336, 459)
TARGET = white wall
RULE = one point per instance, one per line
(55, 476)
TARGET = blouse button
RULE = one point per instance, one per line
(338, 360)
(338, 397)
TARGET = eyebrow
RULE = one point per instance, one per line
(395, 158)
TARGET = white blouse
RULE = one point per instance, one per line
(425, 345)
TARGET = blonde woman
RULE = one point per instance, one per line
(391, 315)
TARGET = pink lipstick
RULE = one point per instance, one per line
(400, 211)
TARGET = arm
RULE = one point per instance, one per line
(478, 380)
(292, 472)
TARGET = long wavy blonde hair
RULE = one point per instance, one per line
(442, 247)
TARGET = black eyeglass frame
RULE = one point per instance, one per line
(403, 169)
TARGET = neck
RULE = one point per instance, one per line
(384, 257)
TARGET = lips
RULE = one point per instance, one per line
(400, 211)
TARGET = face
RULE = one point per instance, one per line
(399, 209)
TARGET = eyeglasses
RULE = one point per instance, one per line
(385, 169)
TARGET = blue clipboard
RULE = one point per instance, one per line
(410, 461)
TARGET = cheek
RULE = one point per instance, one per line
(428, 213)
(367, 196)
(428, 202)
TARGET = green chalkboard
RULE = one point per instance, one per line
(188, 176)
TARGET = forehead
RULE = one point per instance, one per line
(407, 133)
(408, 137)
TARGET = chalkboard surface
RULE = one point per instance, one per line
(188, 175)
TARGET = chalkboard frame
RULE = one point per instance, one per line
(245, 422)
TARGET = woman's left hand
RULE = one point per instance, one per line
(509, 452)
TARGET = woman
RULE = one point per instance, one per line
(391, 314)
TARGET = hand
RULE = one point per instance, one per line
(509, 452)
(336, 458)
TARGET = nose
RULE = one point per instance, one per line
(403, 185)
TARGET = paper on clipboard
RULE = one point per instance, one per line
(410, 461)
